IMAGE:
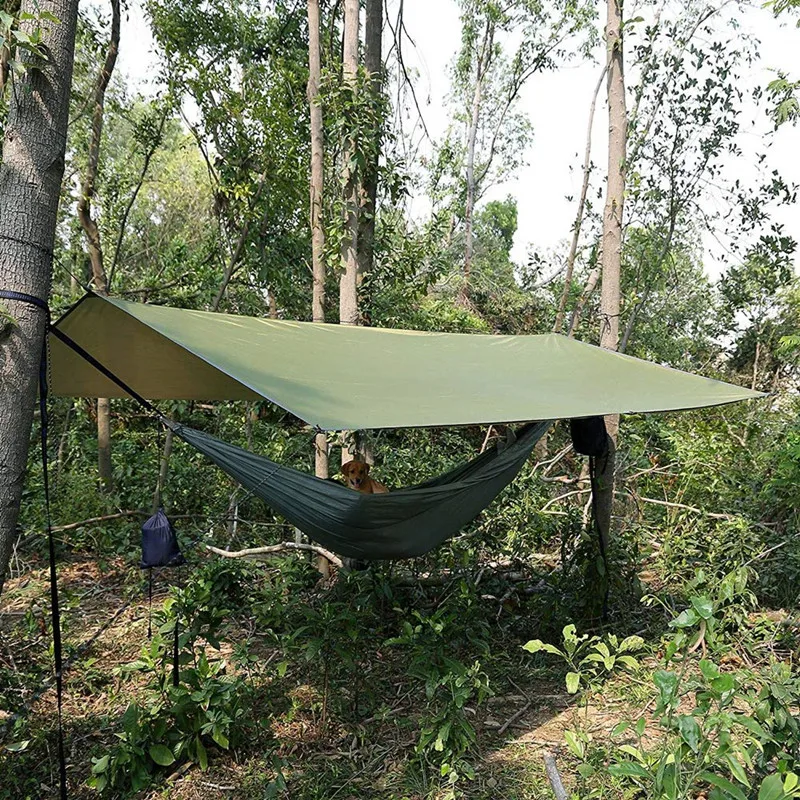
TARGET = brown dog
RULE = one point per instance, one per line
(356, 474)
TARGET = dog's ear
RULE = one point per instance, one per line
(346, 468)
(366, 468)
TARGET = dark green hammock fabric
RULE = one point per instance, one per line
(401, 524)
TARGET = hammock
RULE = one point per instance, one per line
(401, 524)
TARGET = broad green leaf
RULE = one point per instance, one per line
(737, 770)
(18, 747)
(101, 765)
(629, 769)
(220, 738)
(790, 782)
(535, 645)
(751, 725)
(202, 755)
(703, 606)
(574, 744)
(690, 731)
(632, 751)
(161, 754)
(772, 788)
(709, 669)
(631, 644)
(6, 20)
(723, 783)
(573, 682)
(620, 728)
(666, 682)
(686, 619)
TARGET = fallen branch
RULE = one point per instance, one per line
(92, 520)
(259, 553)
(555, 779)
(513, 718)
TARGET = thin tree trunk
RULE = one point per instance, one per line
(481, 67)
(373, 63)
(348, 284)
(615, 190)
(317, 182)
(92, 232)
(30, 185)
(612, 245)
(316, 187)
(576, 226)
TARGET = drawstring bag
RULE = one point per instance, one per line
(159, 544)
(160, 549)
(589, 436)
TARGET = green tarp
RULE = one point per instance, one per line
(340, 377)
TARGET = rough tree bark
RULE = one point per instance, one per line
(615, 189)
(316, 191)
(373, 63)
(348, 284)
(30, 185)
(612, 245)
(92, 232)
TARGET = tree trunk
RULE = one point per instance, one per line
(373, 63)
(615, 190)
(317, 188)
(89, 225)
(317, 165)
(612, 242)
(348, 284)
(30, 186)
(576, 226)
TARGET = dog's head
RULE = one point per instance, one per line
(355, 473)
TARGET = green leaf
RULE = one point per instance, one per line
(573, 681)
(628, 769)
(535, 645)
(790, 782)
(723, 783)
(751, 725)
(772, 788)
(667, 683)
(620, 728)
(690, 731)
(686, 619)
(631, 644)
(161, 754)
(630, 750)
(220, 738)
(6, 20)
(737, 770)
(574, 744)
(709, 669)
(100, 765)
(18, 747)
(202, 755)
(703, 606)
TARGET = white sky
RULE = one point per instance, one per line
(557, 104)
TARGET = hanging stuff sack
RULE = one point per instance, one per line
(159, 544)
(160, 549)
(589, 436)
